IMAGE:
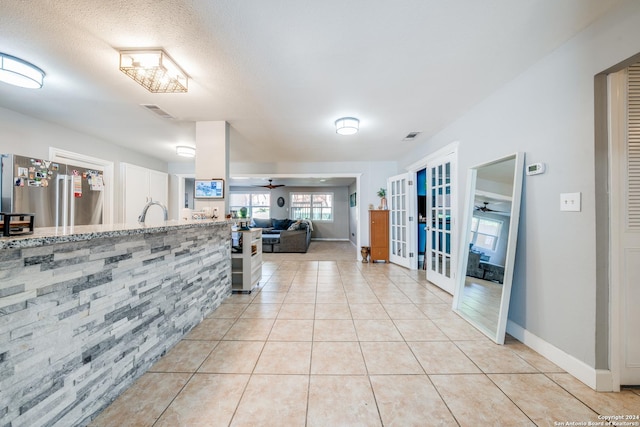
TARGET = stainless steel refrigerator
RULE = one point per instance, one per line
(58, 194)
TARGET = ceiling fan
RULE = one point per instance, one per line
(486, 208)
(271, 186)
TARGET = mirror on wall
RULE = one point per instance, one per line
(489, 234)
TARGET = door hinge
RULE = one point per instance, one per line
(410, 218)
(410, 254)
(409, 182)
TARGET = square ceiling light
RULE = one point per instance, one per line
(154, 70)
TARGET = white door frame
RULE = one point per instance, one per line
(181, 188)
(451, 148)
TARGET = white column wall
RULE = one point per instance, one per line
(212, 160)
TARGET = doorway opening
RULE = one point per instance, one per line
(421, 190)
(440, 206)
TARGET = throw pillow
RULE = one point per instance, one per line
(281, 224)
(262, 223)
(295, 226)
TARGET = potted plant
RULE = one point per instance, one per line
(382, 193)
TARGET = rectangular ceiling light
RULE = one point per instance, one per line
(154, 70)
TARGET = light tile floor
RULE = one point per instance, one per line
(341, 343)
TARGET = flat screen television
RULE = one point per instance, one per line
(209, 189)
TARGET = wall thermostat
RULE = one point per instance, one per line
(535, 168)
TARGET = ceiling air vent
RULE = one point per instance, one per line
(157, 110)
(411, 136)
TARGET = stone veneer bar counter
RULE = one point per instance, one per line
(85, 311)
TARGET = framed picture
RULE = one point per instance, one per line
(352, 199)
(209, 188)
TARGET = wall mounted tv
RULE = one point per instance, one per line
(209, 188)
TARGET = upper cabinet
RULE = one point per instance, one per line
(139, 186)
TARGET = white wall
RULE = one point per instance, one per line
(24, 135)
(548, 113)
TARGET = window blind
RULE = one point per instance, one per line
(633, 147)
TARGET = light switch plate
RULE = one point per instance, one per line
(570, 202)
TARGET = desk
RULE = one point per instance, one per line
(12, 227)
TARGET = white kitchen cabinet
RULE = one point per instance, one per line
(139, 185)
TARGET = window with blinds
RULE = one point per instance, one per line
(633, 147)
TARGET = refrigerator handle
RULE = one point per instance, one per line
(57, 222)
(65, 201)
(71, 201)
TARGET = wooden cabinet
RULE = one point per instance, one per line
(379, 235)
(246, 260)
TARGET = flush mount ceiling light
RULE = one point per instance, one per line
(154, 70)
(19, 72)
(347, 125)
(184, 151)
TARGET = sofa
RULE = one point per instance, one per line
(284, 235)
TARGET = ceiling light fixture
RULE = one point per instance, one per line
(347, 125)
(184, 151)
(154, 70)
(19, 72)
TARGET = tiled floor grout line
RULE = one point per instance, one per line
(367, 285)
(546, 374)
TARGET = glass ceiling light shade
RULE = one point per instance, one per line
(19, 72)
(347, 126)
(185, 151)
(154, 70)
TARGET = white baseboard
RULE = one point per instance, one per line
(597, 379)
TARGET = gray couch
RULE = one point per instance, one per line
(478, 265)
(281, 236)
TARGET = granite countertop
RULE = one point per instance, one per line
(50, 235)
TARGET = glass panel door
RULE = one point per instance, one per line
(440, 258)
(399, 212)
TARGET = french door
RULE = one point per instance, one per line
(440, 257)
(401, 218)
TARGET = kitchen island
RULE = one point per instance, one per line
(86, 310)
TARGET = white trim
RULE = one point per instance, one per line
(107, 168)
(597, 379)
(616, 86)
(444, 151)
(181, 190)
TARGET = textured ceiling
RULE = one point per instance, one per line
(281, 71)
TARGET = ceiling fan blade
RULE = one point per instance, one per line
(270, 185)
